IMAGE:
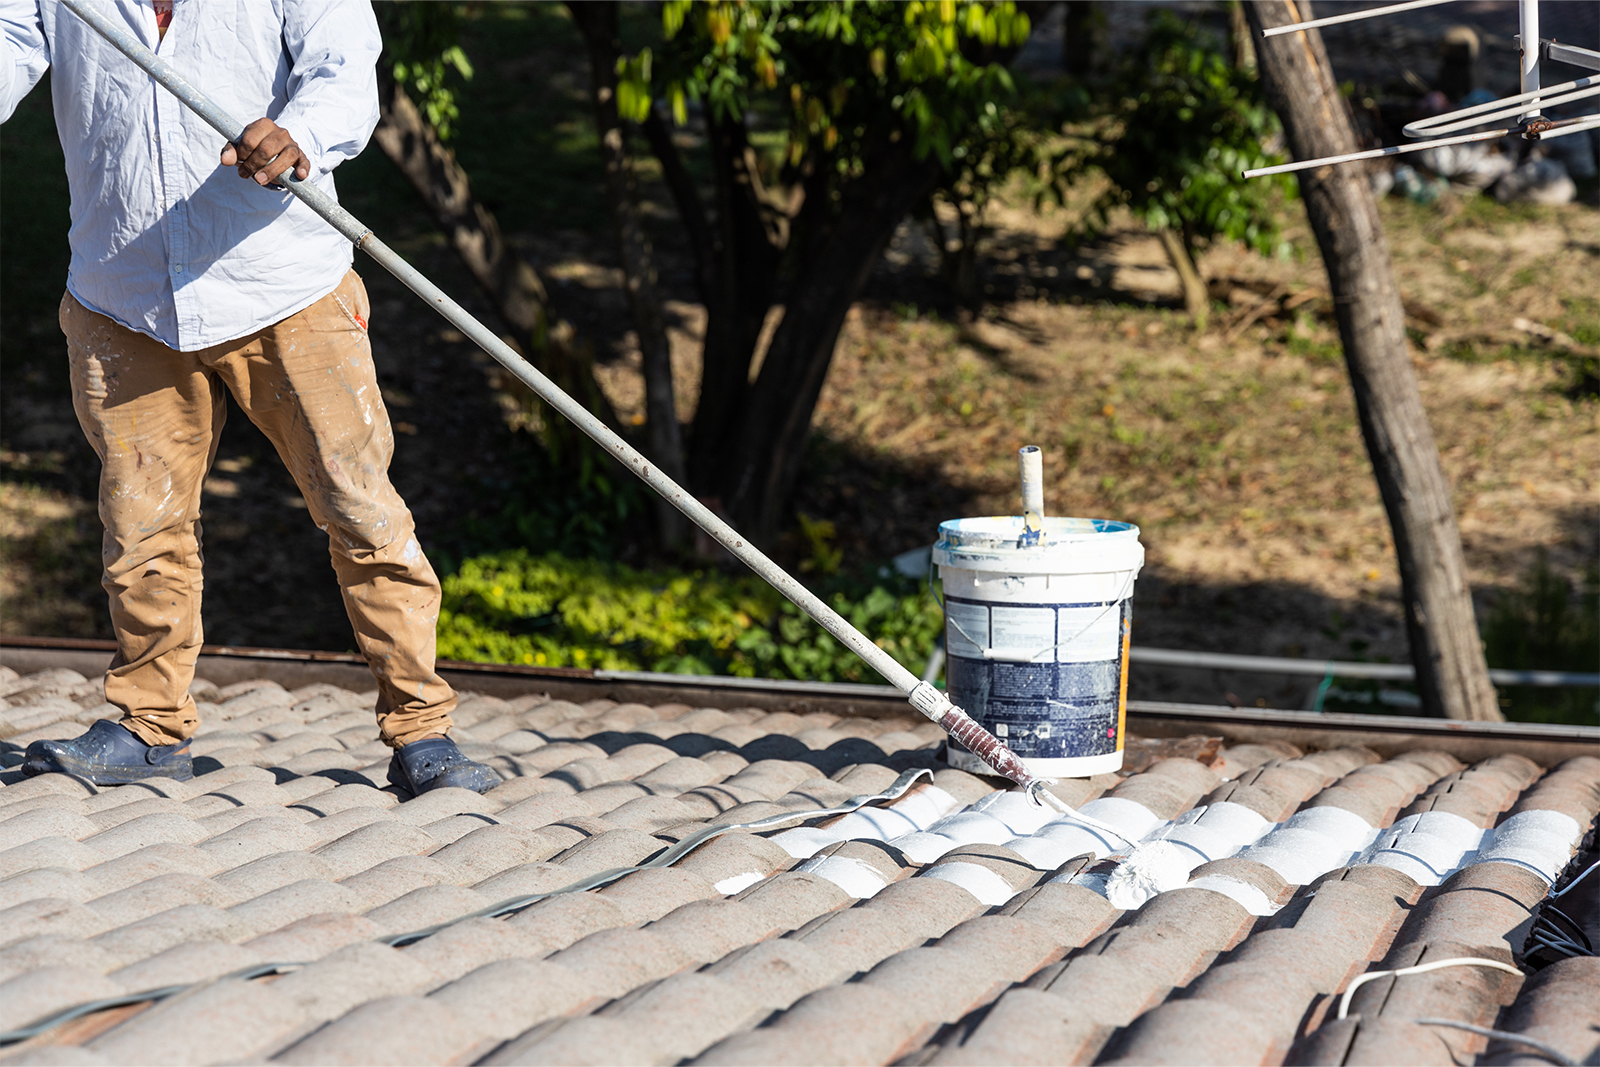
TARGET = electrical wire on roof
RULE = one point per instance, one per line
(1455, 961)
(1550, 1052)
(49, 1022)
(665, 858)
(1558, 932)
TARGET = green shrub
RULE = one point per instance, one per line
(1547, 625)
(551, 611)
(1188, 121)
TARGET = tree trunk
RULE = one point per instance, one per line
(509, 280)
(1196, 301)
(1445, 647)
(1240, 40)
(1081, 38)
(761, 472)
(598, 23)
(743, 274)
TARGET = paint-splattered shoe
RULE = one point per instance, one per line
(108, 754)
(437, 762)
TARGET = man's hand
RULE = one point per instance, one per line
(265, 151)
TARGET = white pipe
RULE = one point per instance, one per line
(1587, 122)
(1528, 42)
(1478, 114)
(1352, 16)
(1374, 153)
(1031, 460)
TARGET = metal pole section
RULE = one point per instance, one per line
(1353, 16)
(922, 696)
(1467, 117)
(1373, 153)
(1393, 672)
(1528, 45)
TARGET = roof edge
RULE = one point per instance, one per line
(1388, 735)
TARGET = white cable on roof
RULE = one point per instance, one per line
(1458, 961)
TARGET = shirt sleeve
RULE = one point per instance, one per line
(24, 52)
(333, 86)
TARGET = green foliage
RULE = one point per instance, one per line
(838, 72)
(517, 607)
(532, 500)
(423, 44)
(1546, 625)
(1184, 124)
(825, 557)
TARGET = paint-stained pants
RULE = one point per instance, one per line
(154, 416)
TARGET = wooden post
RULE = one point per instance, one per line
(1445, 647)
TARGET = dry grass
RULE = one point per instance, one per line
(49, 558)
(1243, 462)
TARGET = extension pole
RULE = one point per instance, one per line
(922, 695)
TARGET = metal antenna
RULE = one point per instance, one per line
(1447, 129)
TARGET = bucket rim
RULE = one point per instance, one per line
(1000, 533)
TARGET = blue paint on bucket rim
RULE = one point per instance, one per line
(1068, 545)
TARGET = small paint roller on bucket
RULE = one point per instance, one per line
(922, 695)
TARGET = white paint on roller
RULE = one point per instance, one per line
(1167, 856)
(1541, 841)
(860, 880)
(1152, 868)
(989, 888)
(1031, 462)
(1253, 899)
(734, 883)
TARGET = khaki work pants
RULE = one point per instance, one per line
(154, 417)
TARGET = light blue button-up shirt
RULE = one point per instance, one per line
(166, 240)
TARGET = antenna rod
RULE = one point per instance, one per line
(1528, 45)
(1351, 16)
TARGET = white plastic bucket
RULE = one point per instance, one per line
(1036, 637)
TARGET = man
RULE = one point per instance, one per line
(186, 279)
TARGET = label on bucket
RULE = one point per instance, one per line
(1046, 679)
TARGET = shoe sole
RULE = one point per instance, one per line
(99, 774)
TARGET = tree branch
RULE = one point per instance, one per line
(691, 209)
(518, 293)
